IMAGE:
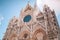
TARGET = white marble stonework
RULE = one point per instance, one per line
(32, 24)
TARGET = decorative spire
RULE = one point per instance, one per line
(28, 1)
(28, 7)
(35, 5)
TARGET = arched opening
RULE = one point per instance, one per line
(24, 35)
(13, 37)
(40, 34)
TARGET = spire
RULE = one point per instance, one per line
(35, 5)
(28, 2)
(28, 7)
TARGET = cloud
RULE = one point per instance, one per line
(1, 19)
(53, 4)
(0, 23)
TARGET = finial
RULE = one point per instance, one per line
(35, 4)
(28, 1)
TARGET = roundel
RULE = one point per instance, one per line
(27, 18)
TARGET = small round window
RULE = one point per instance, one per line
(27, 18)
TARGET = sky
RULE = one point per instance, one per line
(11, 8)
(53, 4)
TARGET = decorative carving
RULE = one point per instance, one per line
(42, 26)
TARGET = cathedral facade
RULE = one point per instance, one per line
(33, 24)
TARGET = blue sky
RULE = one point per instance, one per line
(10, 8)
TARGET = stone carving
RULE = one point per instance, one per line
(41, 26)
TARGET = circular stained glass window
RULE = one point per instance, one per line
(27, 18)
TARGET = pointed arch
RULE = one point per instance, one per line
(42, 33)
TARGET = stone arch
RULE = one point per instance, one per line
(24, 34)
(40, 31)
(13, 36)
